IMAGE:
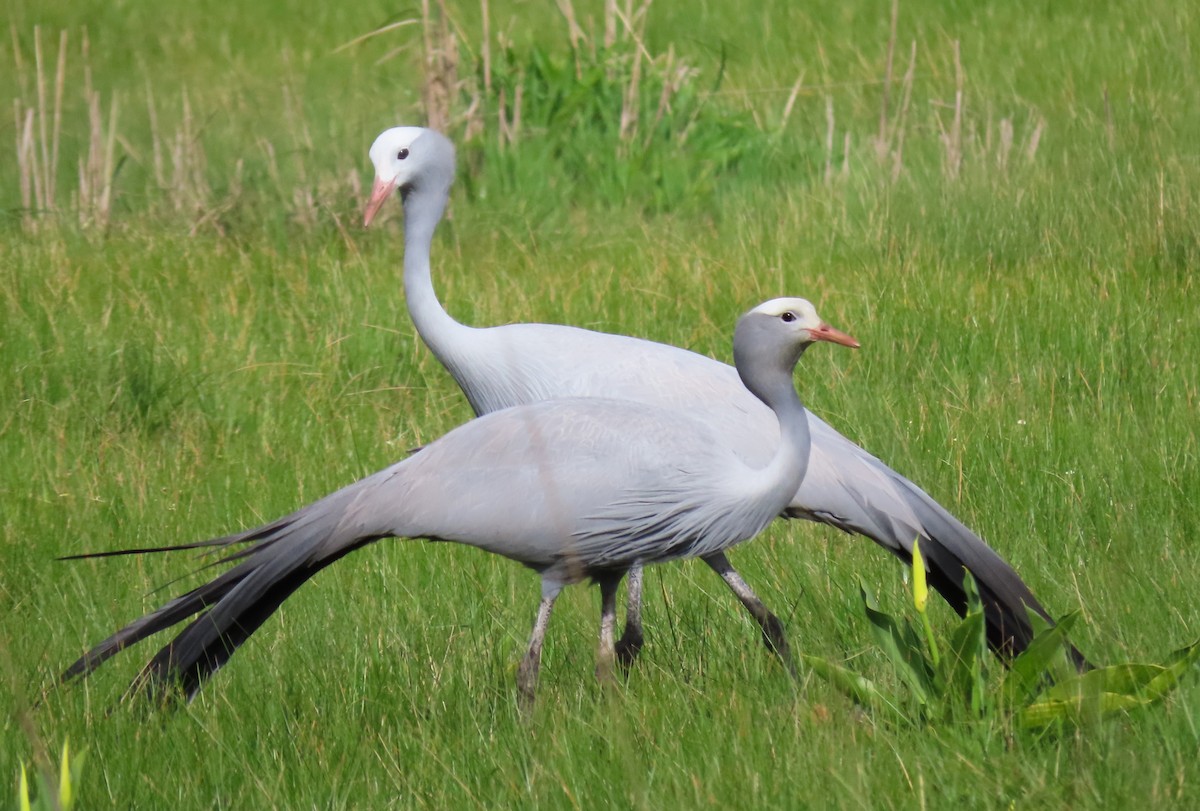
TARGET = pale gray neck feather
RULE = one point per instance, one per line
(768, 376)
(423, 207)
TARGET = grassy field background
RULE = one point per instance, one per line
(216, 342)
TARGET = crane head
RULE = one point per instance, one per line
(801, 319)
(406, 158)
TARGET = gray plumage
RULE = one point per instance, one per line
(509, 365)
(572, 488)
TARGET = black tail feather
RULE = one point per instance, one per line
(282, 556)
(174, 612)
(212, 638)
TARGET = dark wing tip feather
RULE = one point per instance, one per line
(1009, 630)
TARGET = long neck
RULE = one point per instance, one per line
(787, 468)
(766, 369)
(422, 211)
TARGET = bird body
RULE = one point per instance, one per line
(572, 488)
(580, 488)
(503, 366)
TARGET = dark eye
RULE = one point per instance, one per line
(788, 317)
(402, 154)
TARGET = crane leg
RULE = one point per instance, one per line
(527, 673)
(606, 655)
(631, 641)
(772, 628)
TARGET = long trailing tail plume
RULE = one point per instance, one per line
(282, 555)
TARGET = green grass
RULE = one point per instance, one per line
(1029, 341)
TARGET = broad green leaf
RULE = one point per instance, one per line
(1128, 678)
(1179, 663)
(1078, 710)
(974, 603)
(901, 645)
(1027, 670)
(1037, 621)
(1150, 682)
(1098, 693)
(858, 688)
(963, 668)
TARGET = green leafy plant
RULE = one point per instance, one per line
(606, 122)
(1106, 691)
(947, 680)
(51, 796)
(596, 115)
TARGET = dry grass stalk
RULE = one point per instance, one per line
(610, 23)
(901, 127)
(1035, 138)
(47, 179)
(60, 74)
(629, 103)
(574, 35)
(370, 34)
(791, 101)
(37, 136)
(444, 92)
(18, 60)
(441, 65)
(633, 21)
(189, 189)
(1005, 143)
(674, 78)
(952, 140)
(26, 159)
(96, 170)
(829, 130)
(508, 124)
(268, 150)
(160, 178)
(883, 139)
(486, 46)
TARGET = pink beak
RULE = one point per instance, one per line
(380, 192)
(834, 336)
